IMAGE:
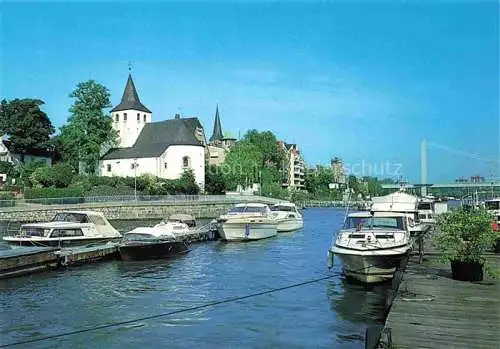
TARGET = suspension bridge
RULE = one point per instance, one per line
(492, 183)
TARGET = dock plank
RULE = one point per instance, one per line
(431, 310)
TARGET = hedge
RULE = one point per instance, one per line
(7, 199)
(106, 190)
(56, 196)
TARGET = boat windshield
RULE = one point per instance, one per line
(282, 208)
(425, 206)
(70, 217)
(248, 209)
(364, 223)
(32, 231)
(492, 205)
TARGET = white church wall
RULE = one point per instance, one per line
(173, 157)
(125, 167)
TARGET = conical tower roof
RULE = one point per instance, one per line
(130, 98)
(217, 133)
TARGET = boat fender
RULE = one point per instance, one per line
(330, 259)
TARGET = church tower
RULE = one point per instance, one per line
(130, 116)
(217, 132)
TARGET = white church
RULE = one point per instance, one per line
(164, 148)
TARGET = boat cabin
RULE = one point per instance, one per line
(492, 205)
(379, 220)
(71, 224)
(249, 209)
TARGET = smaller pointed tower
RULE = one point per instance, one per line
(217, 136)
(130, 116)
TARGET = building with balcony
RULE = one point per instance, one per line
(294, 168)
(337, 166)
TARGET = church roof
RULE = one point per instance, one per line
(217, 133)
(156, 137)
(130, 98)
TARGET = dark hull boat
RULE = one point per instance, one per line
(140, 251)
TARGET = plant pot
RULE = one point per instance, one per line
(467, 271)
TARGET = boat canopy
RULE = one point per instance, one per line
(395, 202)
(150, 233)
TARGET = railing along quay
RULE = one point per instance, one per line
(29, 204)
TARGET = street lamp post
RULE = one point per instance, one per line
(135, 179)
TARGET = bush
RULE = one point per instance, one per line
(7, 168)
(12, 188)
(56, 196)
(106, 190)
(59, 176)
(6, 199)
(465, 235)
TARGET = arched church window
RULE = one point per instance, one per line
(117, 117)
(138, 117)
(186, 162)
(144, 117)
(124, 116)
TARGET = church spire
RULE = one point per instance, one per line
(217, 133)
(130, 99)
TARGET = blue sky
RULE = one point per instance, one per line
(365, 81)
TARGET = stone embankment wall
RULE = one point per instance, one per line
(119, 211)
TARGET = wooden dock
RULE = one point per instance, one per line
(87, 254)
(431, 310)
(27, 260)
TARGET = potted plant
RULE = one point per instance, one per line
(463, 236)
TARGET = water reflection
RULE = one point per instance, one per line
(358, 304)
(154, 269)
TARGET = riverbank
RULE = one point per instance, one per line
(201, 207)
(431, 310)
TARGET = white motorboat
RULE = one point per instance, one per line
(159, 241)
(68, 228)
(493, 206)
(247, 221)
(401, 202)
(371, 245)
(426, 212)
(288, 216)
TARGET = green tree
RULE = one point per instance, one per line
(88, 130)
(243, 165)
(272, 155)
(186, 184)
(215, 182)
(26, 125)
(60, 176)
(374, 186)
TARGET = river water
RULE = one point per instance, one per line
(327, 314)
